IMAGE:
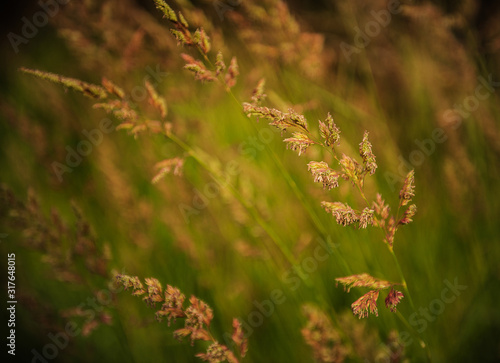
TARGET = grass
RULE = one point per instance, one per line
(261, 232)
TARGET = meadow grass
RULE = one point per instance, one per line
(246, 210)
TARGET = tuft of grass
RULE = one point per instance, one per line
(208, 200)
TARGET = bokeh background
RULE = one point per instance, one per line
(401, 83)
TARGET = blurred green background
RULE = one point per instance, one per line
(400, 83)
